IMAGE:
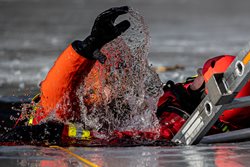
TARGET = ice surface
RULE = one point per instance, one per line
(220, 155)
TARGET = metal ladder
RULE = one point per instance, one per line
(222, 89)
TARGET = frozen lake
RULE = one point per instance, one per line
(186, 33)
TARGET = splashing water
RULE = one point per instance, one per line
(123, 93)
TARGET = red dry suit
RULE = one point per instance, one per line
(174, 107)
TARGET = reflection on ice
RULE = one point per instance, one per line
(220, 155)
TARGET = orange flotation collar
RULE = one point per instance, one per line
(215, 65)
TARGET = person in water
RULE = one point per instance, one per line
(174, 107)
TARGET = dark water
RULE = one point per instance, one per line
(183, 32)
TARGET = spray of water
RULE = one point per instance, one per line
(123, 93)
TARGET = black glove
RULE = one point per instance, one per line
(102, 32)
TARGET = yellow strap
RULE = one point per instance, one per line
(246, 59)
(86, 134)
(195, 76)
(78, 133)
(34, 108)
(31, 120)
(35, 97)
(225, 128)
(91, 164)
(72, 130)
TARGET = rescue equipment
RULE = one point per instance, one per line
(222, 88)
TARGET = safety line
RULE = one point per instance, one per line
(91, 164)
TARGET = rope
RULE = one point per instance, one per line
(89, 163)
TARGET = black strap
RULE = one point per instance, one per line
(187, 98)
(167, 107)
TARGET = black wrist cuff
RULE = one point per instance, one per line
(85, 48)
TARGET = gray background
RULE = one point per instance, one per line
(184, 32)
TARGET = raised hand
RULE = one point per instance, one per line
(102, 32)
